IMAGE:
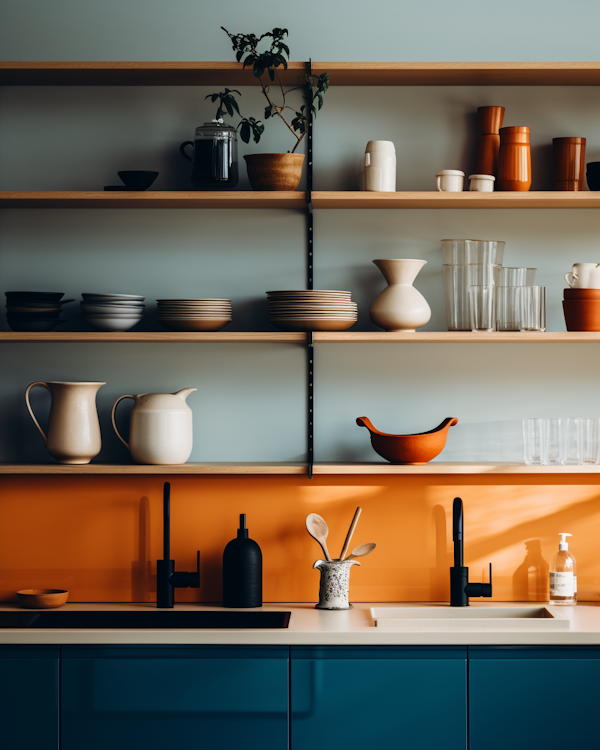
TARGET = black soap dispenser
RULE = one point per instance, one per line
(242, 570)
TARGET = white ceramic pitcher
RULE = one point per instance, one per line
(160, 429)
(400, 307)
(73, 426)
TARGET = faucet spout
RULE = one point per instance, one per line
(457, 532)
(460, 588)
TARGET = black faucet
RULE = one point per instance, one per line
(460, 588)
(167, 580)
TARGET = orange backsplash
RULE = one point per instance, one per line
(99, 537)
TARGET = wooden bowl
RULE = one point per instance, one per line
(581, 293)
(409, 449)
(582, 314)
(42, 598)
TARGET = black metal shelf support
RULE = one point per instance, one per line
(310, 357)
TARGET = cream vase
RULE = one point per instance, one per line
(73, 426)
(400, 307)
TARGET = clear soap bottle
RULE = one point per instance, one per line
(563, 575)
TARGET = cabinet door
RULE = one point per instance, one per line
(524, 698)
(380, 697)
(29, 697)
(174, 697)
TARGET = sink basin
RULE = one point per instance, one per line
(153, 620)
(468, 618)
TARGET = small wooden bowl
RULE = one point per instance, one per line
(42, 598)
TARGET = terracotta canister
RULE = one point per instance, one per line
(334, 586)
(514, 159)
(160, 430)
(73, 427)
(400, 307)
(569, 163)
(490, 122)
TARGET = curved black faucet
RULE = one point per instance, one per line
(167, 580)
(460, 588)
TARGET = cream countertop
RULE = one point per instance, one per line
(309, 626)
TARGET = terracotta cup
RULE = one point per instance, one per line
(569, 163)
(490, 122)
(582, 314)
(514, 159)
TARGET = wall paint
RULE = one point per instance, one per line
(100, 537)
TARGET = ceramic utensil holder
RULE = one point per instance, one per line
(335, 583)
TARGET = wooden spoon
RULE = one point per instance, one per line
(318, 529)
(357, 513)
(361, 550)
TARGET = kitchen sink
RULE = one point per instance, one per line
(468, 618)
(150, 620)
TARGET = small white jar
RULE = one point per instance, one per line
(450, 181)
(380, 167)
(482, 183)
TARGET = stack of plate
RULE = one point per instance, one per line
(312, 310)
(34, 311)
(194, 314)
(112, 312)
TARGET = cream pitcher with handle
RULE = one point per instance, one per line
(73, 427)
(160, 428)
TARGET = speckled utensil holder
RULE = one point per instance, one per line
(335, 583)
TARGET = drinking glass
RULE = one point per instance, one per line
(551, 456)
(507, 308)
(532, 308)
(512, 276)
(590, 441)
(462, 252)
(530, 277)
(483, 308)
(570, 454)
(534, 435)
(457, 280)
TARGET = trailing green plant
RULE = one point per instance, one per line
(267, 62)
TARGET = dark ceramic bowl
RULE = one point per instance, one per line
(593, 166)
(34, 296)
(34, 325)
(593, 180)
(137, 180)
(582, 314)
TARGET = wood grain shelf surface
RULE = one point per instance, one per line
(152, 199)
(435, 468)
(342, 73)
(466, 199)
(154, 337)
(456, 337)
(189, 468)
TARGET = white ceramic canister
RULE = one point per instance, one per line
(482, 183)
(449, 180)
(380, 167)
(584, 276)
(160, 430)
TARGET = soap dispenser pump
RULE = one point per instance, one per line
(242, 570)
(563, 574)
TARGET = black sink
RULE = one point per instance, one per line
(153, 620)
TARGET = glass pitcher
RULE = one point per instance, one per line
(215, 157)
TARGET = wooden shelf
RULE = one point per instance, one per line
(342, 73)
(138, 74)
(190, 468)
(466, 199)
(456, 337)
(435, 468)
(166, 337)
(152, 199)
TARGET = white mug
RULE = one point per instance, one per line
(584, 276)
(482, 183)
(380, 167)
(449, 180)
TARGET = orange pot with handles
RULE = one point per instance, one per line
(514, 159)
(409, 449)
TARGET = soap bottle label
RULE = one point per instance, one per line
(563, 584)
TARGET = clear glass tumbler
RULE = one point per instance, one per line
(531, 276)
(532, 308)
(551, 456)
(507, 308)
(512, 276)
(461, 252)
(590, 441)
(535, 437)
(570, 453)
(483, 308)
(457, 280)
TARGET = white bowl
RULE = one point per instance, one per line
(101, 323)
(93, 297)
(111, 309)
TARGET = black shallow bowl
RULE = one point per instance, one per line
(137, 180)
(593, 180)
(34, 296)
(33, 326)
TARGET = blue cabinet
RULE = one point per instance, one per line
(174, 697)
(534, 697)
(380, 697)
(29, 697)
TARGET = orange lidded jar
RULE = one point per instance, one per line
(514, 159)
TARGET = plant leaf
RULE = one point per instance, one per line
(245, 131)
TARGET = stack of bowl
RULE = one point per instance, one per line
(582, 309)
(112, 312)
(194, 314)
(34, 311)
(312, 310)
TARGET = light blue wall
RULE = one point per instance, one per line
(250, 399)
